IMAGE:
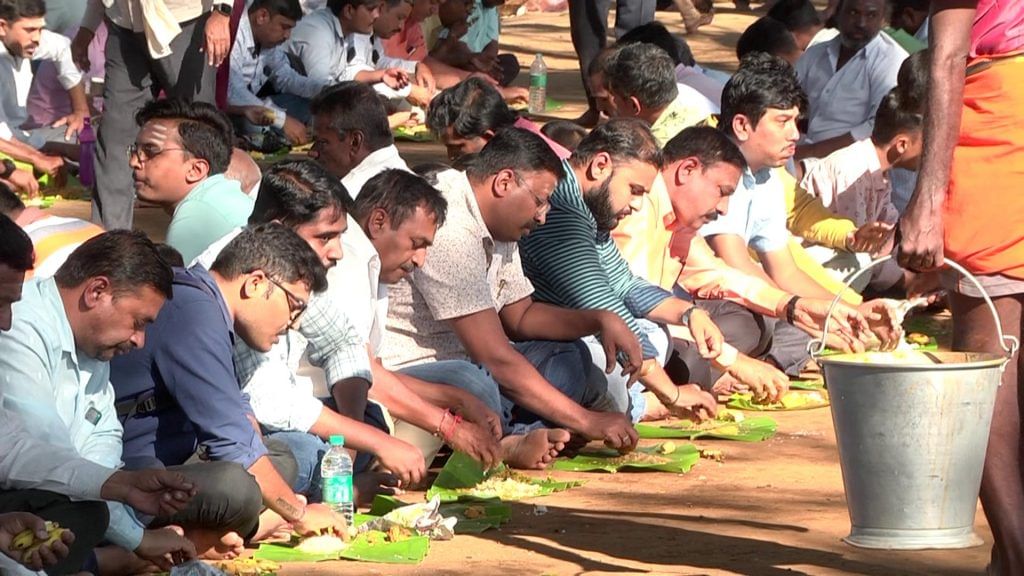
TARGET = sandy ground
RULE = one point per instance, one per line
(771, 508)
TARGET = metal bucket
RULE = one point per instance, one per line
(912, 430)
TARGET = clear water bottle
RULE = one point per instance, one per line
(336, 479)
(538, 85)
(87, 145)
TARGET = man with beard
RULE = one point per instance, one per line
(573, 262)
(847, 77)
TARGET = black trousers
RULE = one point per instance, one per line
(745, 330)
(588, 22)
(88, 521)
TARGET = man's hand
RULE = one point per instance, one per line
(476, 441)
(613, 428)
(616, 337)
(846, 328)
(474, 410)
(155, 492)
(425, 77)
(692, 403)
(767, 382)
(919, 240)
(395, 78)
(883, 319)
(48, 164)
(24, 181)
(218, 38)
(80, 48)
(295, 131)
(403, 460)
(319, 519)
(259, 115)
(166, 547)
(706, 334)
(13, 523)
(74, 122)
(870, 238)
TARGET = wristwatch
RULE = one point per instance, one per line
(224, 8)
(9, 168)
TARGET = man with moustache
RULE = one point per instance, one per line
(573, 261)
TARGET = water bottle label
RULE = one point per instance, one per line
(538, 80)
(338, 489)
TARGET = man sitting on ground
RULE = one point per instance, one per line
(471, 298)
(180, 400)
(55, 362)
(178, 161)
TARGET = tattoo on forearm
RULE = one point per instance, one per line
(291, 513)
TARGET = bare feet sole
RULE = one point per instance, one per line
(211, 546)
(535, 449)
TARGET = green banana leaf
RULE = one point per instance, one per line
(362, 548)
(485, 514)
(461, 473)
(550, 105)
(754, 429)
(806, 384)
(406, 135)
(746, 402)
(679, 460)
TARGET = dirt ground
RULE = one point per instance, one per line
(771, 508)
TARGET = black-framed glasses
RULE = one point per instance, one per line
(296, 305)
(143, 155)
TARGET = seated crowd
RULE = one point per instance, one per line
(548, 288)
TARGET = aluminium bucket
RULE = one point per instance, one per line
(912, 430)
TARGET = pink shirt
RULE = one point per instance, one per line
(998, 28)
(408, 44)
(557, 148)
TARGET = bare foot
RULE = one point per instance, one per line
(270, 523)
(655, 410)
(727, 386)
(534, 450)
(116, 561)
(213, 545)
(369, 484)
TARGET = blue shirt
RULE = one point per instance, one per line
(186, 367)
(62, 396)
(573, 265)
(757, 213)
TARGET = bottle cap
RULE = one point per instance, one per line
(337, 440)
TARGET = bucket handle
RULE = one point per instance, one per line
(1008, 343)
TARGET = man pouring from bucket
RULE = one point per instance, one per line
(973, 136)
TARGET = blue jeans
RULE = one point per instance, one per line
(309, 450)
(463, 375)
(630, 400)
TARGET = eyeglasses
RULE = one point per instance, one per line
(143, 155)
(296, 305)
(543, 204)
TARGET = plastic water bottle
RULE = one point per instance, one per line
(538, 85)
(336, 479)
(87, 145)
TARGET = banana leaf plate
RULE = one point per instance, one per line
(754, 429)
(366, 547)
(462, 478)
(474, 517)
(679, 459)
(793, 400)
(416, 134)
(806, 384)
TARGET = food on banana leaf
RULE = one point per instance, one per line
(506, 485)
(667, 447)
(248, 567)
(637, 457)
(472, 512)
(325, 544)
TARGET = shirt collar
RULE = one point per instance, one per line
(833, 46)
(753, 179)
(245, 38)
(458, 183)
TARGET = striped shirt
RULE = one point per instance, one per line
(573, 265)
(54, 239)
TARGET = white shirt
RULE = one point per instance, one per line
(62, 396)
(16, 78)
(252, 67)
(695, 78)
(377, 162)
(845, 101)
(369, 56)
(321, 49)
(695, 99)
(158, 20)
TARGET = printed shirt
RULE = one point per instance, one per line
(252, 67)
(850, 182)
(468, 271)
(573, 265)
(62, 396)
(54, 239)
(845, 100)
